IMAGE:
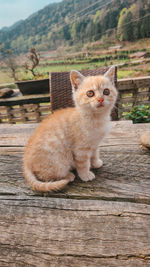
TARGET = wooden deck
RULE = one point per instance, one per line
(104, 222)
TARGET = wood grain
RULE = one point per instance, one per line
(105, 222)
(43, 229)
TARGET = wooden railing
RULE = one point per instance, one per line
(34, 108)
(133, 91)
(24, 109)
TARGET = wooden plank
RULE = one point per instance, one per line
(122, 132)
(124, 176)
(33, 99)
(138, 95)
(28, 260)
(147, 102)
(144, 93)
(34, 113)
(127, 100)
(4, 116)
(131, 83)
(45, 109)
(64, 232)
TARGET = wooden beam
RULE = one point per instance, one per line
(30, 99)
(63, 232)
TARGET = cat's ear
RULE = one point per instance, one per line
(110, 74)
(76, 79)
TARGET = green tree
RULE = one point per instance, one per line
(125, 25)
(73, 31)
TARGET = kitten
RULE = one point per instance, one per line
(69, 137)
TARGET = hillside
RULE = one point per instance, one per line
(12, 27)
(73, 22)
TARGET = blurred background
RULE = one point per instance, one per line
(40, 36)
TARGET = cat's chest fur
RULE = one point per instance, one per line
(96, 131)
(88, 130)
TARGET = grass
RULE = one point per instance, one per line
(44, 70)
(125, 73)
(79, 62)
(5, 77)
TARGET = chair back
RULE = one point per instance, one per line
(61, 89)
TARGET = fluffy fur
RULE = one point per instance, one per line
(69, 138)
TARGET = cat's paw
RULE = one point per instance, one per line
(70, 177)
(87, 176)
(97, 163)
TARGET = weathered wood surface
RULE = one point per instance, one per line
(133, 91)
(30, 99)
(139, 82)
(105, 222)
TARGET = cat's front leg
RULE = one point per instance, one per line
(82, 163)
(96, 162)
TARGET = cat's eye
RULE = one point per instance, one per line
(106, 91)
(90, 93)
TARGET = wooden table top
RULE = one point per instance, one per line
(104, 222)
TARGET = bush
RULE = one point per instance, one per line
(138, 114)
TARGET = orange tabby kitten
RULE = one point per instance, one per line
(69, 138)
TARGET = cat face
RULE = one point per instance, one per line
(95, 93)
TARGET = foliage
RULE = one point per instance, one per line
(139, 113)
(133, 23)
(71, 23)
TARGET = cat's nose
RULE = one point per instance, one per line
(101, 100)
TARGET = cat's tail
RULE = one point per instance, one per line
(43, 186)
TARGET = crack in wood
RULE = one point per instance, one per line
(100, 223)
(109, 199)
(24, 249)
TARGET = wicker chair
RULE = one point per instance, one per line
(61, 90)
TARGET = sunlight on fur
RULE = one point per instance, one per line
(68, 139)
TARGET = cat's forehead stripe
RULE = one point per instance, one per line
(97, 83)
(99, 86)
